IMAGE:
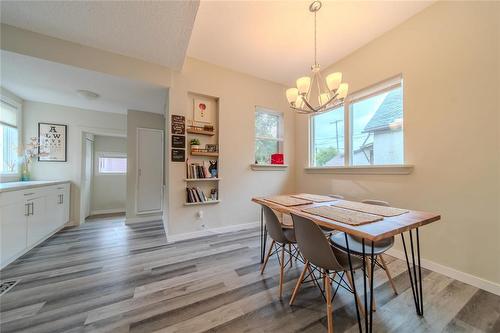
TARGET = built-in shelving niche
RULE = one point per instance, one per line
(194, 129)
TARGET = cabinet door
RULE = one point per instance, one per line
(39, 226)
(65, 202)
(55, 209)
(13, 230)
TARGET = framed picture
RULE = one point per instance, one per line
(53, 142)
(178, 124)
(178, 155)
(202, 111)
(211, 148)
(178, 141)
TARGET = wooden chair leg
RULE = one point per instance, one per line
(351, 282)
(282, 266)
(267, 257)
(329, 308)
(382, 261)
(370, 272)
(299, 282)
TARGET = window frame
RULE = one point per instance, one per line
(109, 155)
(362, 94)
(19, 109)
(280, 130)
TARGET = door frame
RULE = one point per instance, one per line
(138, 129)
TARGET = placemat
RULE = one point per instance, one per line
(371, 209)
(343, 215)
(313, 197)
(286, 200)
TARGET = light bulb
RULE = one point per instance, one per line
(333, 80)
(342, 91)
(291, 95)
(303, 84)
(324, 98)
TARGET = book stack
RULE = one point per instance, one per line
(197, 170)
(194, 194)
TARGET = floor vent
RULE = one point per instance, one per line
(5, 286)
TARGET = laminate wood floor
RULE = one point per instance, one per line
(108, 277)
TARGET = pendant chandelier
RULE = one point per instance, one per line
(330, 92)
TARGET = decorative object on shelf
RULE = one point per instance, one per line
(178, 155)
(211, 148)
(178, 141)
(214, 194)
(202, 112)
(277, 159)
(195, 144)
(213, 168)
(330, 92)
(31, 150)
(178, 124)
(52, 145)
(202, 130)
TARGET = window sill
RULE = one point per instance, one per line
(400, 169)
(268, 167)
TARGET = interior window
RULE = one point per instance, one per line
(9, 144)
(268, 135)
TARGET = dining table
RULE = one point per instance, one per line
(408, 222)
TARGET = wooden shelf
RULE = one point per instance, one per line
(202, 153)
(209, 202)
(201, 179)
(200, 132)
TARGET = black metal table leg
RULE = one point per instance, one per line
(415, 280)
(353, 282)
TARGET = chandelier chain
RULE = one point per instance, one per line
(315, 43)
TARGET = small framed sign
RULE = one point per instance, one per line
(178, 141)
(53, 142)
(178, 155)
(178, 125)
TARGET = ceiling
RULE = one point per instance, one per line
(44, 81)
(154, 31)
(274, 39)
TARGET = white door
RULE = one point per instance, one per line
(149, 196)
(89, 172)
(38, 224)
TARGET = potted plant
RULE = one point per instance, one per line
(195, 144)
(30, 152)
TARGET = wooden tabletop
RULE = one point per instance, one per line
(389, 226)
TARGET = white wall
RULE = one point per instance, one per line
(109, 191)
(78, 121)
(238, 95)
(449, 58)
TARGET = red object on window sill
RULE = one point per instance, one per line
(277, 159)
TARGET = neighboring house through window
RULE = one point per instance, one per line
(374, 126)
(268, 134)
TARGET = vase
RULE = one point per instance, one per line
(25, 172)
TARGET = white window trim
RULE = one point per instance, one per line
(347, 168)
(280, 139)
(8, 177)
(109, 155)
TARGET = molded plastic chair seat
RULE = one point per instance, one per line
(356, 245)
(290, 235)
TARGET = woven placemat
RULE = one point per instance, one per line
(371, 209)
(287, 200)
(313, 197)
(343, 215)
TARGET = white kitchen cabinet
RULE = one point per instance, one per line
(29, 216)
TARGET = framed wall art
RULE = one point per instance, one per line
(53, 142)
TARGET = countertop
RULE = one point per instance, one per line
(16, 186)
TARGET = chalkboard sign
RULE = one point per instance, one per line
(178, 155)
(178, 141)
(178, 125)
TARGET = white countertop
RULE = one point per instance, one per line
(15, 186)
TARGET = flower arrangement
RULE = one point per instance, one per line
(30, 151)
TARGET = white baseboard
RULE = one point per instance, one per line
(212, 231)
(107, 211)
(475, 281)
(132, 220)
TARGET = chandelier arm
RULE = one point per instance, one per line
(306, 102)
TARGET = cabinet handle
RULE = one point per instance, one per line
(32, 208)
(27, 210)
(26, 194)
(62, 199)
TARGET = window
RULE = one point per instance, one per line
(268, 134)
(375, 129)
(112, 163)
(9, 138)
